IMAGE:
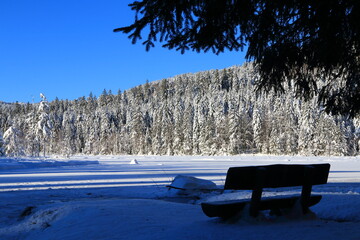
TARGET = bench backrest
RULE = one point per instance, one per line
(273, 176)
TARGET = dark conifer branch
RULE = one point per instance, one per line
(294, 40)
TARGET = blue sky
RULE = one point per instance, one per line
(67, 49)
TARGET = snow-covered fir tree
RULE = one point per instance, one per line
(32, 146)
(44, 125)
(2, 149)
(13, 142)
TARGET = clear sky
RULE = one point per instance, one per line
(67, 49)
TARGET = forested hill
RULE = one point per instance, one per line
(206, 113)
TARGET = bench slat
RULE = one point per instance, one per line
(230, 208)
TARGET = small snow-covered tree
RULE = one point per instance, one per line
(2, 150)
(307, 129)
(330, 140)
(69, 138)
(262, 127)
(31, 138)
(44, 125)
(257, 119)
(13, 143)
(188, 130)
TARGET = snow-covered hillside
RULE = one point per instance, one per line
(214, 112)
(116, 197)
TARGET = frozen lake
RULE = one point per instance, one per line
(113, 182)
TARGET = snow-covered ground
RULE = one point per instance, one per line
(124, 197)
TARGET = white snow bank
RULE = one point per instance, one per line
(339, 207)
(190, 186)
(7, 164)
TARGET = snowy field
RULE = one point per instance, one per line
(124, 197)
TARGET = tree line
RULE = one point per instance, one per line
(214, 112)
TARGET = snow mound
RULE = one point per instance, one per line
(38, 221)
(190, 186)
(134, 161)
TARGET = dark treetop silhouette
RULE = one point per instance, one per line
(297, 42)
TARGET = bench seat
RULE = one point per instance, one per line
(229, 208)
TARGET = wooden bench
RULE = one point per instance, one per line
(257, 178)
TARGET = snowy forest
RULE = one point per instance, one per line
(214, 112)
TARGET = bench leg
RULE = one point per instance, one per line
(255, 202)
(257, 192)
(306, 189)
